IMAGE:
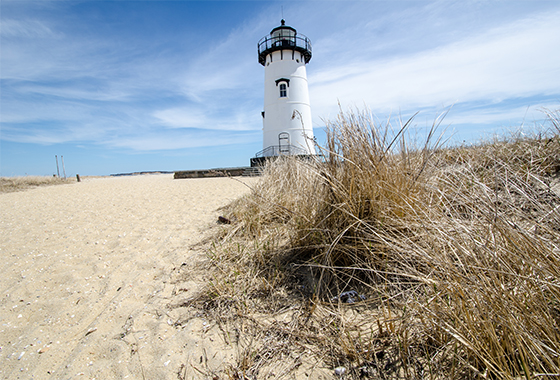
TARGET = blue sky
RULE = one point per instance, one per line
(125, 86)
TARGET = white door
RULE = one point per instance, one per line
(284, 142)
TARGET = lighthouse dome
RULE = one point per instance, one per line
(283, 32)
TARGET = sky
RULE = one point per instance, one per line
(129, 86)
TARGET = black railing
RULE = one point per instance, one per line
(281, 150)
(268, 44)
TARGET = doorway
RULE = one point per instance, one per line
(284, 142)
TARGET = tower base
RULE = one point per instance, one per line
(257, 162)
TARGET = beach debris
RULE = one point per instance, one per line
(340, 371)
(127, 327)
(21, 355)
(90, 331)
(367, 371)
(43, 350)
(350, 296)
(223, 220)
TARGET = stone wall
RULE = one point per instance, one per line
(233, 172)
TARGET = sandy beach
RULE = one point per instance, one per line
(89, 271)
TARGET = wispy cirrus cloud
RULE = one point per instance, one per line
(11, 28)
(180, 139)
(196, 117)
(491, 65)
(82, 82)
(139, 77)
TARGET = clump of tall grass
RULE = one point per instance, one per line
(453, 252)
(11, 184)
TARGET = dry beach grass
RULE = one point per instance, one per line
(393, 261)
(11, 184)
(388, 261)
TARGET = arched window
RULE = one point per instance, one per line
(283, 84)
(283, 90)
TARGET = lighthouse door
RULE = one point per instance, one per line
(284, 142)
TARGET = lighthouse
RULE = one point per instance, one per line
(287, 125)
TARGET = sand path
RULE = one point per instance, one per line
(88, 268)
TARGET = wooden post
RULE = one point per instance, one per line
(63, 169)
(57, 170)
(78, 177)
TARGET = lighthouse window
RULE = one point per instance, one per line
(283, 90)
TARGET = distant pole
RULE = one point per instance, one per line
(57, 170)
(63, 169)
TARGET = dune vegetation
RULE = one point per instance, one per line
(392, 259)
(11, 184)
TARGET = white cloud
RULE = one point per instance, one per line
(105, 92)
(157, 141)
(10, 28)
(198, 117)
(510, 116)
(180, 118)
(511, 61)
(228, 68)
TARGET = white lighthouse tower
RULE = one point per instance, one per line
(287, 128)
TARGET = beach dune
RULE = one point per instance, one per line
(88, 271)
